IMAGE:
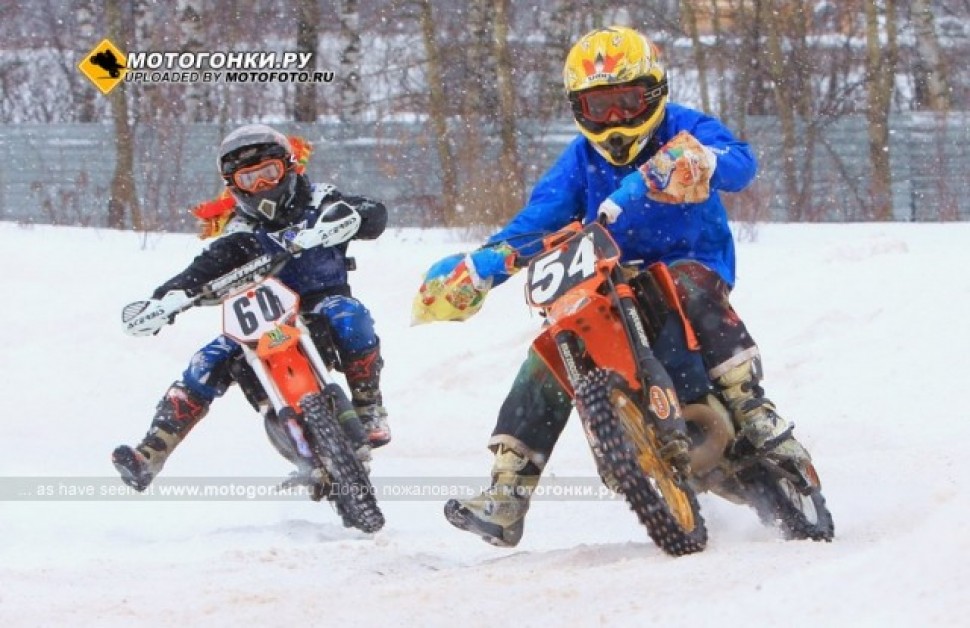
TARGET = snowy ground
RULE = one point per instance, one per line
(864, 331)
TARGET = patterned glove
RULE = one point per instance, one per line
(455, 287)
(681, 171)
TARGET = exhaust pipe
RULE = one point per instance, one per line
(711, 431)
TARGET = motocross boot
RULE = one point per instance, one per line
(498, 514)
(176, 414)
(363, 374)
(759, 426)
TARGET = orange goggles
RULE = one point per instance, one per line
(619, 103)
(265, 175)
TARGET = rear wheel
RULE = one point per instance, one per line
(351, 489)
(790, 500)
(662, 500)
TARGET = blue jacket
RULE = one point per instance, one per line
(647, 230)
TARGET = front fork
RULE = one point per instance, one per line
(290, 418)
(658, 397)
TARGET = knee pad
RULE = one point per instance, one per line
(208, 374)
(349, 322)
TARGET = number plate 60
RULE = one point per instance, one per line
(251, 313)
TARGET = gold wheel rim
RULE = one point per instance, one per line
(647, 448)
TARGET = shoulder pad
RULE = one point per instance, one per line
(237, 224)
(320, 192)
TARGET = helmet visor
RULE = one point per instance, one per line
(619, 104)
(265, 175)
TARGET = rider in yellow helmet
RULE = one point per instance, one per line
(618, 91)
(655, 170)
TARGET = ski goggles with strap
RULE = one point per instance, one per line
(264, 175)
(617, 104)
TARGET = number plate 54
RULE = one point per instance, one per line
(555, 273)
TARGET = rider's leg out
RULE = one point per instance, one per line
(181, 408)
(529, 424)
(733, 362)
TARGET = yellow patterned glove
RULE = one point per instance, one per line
(680, 172)
(455, 287)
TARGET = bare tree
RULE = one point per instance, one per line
(929, 72)
(351, 104)
(86, 23)
(438, 114)
(881, 58)
(797, 77)
(307, 40)
(192, 39)
(721, 59)
(785, 107)
(123, 197)
(743, 85)
(478, 35)
(511, 167)
(689, 14)
(145, 36)
(559, 32)
(478, 194)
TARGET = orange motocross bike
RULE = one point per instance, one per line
(310, 421)
(618, 341)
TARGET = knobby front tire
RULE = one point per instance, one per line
(351, 489)
(663, 502)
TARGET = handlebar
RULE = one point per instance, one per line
(253, 271)
(141, 318)
(552, 240)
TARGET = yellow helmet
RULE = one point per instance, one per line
(618, 91)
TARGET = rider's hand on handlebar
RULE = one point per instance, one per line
(489, 262)
(681, 171)
(337, 224)
(455, 287)
(146, 318)
(608, 212)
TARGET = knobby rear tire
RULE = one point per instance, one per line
(619, 455)
(351, 490)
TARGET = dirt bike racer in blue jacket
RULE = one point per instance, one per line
(653, 171)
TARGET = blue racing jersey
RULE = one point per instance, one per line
(647, 230)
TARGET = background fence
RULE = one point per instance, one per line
(61, 173)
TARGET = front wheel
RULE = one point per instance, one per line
(351, 489)
(629, 450)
